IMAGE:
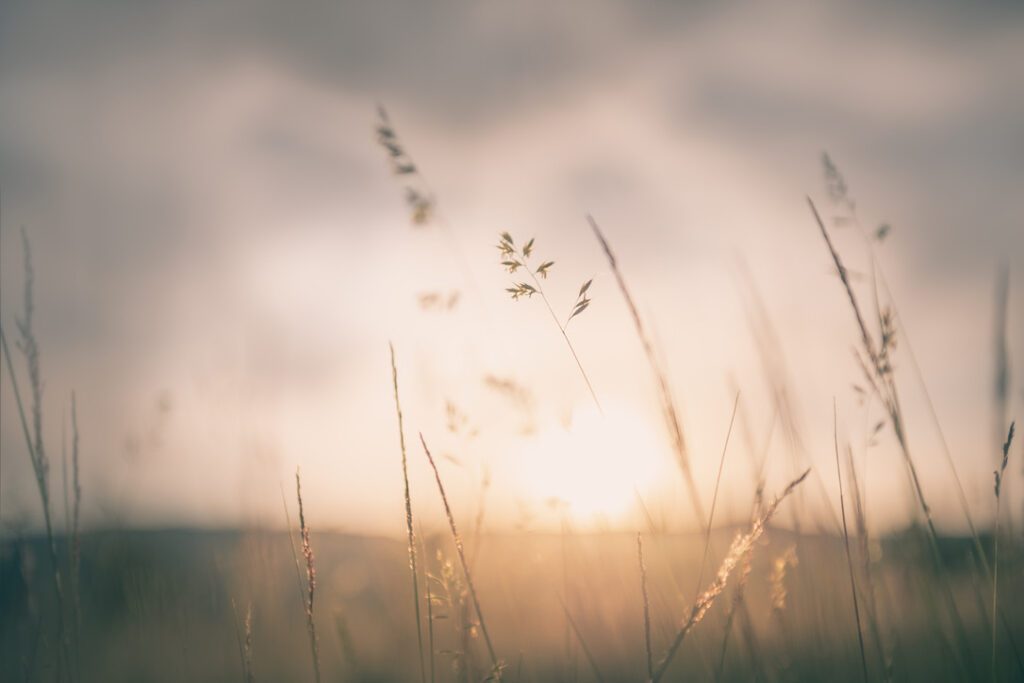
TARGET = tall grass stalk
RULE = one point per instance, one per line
(496, 665)
(66, 482)
(295, 552)
(563, 535)
(76, 541)
(514, 258)
(789, 558)
(583, 645)
(711, 520)
(846, 542)
(647, 606)
(243, 634)
(714, 496)
(1001, 383)
(773, 367)
(871, 606)
(757, 455)
(998, 474)
(739, 602)
(431, 649)
(668, 405)
(741, 545)
(307, 554)
(739, 607)
(248, 647)
(879, 376)
(478, 523)
(29, 347)
(408, 518)
(348, 650)
(419, 196)
(66, 485)
(1001, 380)
(839, 192)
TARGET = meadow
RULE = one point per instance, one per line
(782, 595)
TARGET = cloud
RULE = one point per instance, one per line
(211, 217)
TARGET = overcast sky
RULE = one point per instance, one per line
(222, 252)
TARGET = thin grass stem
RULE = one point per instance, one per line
(742, 544)
(714, 496)
(583, 644)
(307, 553)
(668, 404)
(846, 542)
(496, 665)
(879, 376)
(995, 542)
(408, 518)
(647, 606)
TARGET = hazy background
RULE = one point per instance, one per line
(222, 253)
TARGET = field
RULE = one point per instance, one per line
(820, 597)
(448, 342)
(167, 606)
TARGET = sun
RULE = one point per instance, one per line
(593, 468)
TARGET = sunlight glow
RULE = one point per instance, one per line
(592, 470)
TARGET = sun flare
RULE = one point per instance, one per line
(592, 469)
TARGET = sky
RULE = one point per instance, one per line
(222, 253)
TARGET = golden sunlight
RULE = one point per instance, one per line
(591, 469)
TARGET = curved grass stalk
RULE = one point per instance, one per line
(846, 542)
(513, 259)
(496, 665)
(668, 405)
(408, 519)
(741, 546)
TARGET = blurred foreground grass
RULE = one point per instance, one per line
(169, 606)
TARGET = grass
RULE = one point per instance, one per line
(243, 633)
(998, 475)
(179, 603)
(514, 258)
(146, 606)
(408, 517)
(840, 196)
(647, 606)
(420, 199)
(741, 546)
(76, 540)
(875, 360)
(496, 665)
(846, 546)
(839, 193)
(668, 404)
(714, 495)
(310, 593)
(871, 605)
(888, 320)
(29, 347)
(739, 606)
(588, 655)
